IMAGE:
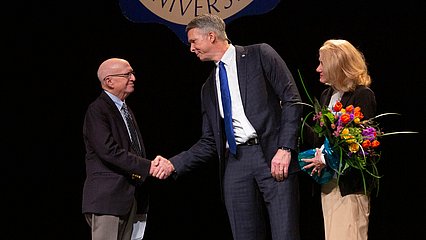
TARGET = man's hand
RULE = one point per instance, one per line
(161, 167)
(279, 164)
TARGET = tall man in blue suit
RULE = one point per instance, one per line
(260, 172)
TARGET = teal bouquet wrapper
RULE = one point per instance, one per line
(327, 172)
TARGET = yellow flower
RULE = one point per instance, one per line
(344, 132)
(353, 147)
(357, 120)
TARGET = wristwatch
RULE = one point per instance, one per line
(285, 149)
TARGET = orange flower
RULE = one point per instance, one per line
(337, 106)
(375, 143)
(358, 114)
(345, 118)
(366, 144)
(350, 108)
(357, 109)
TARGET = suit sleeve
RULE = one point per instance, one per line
(202, 151)
(285, 88)
(106, 144)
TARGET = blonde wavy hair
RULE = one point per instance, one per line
(344, 66)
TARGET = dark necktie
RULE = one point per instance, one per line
(227, 108)
(132, 129)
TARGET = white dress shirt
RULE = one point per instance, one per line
(243, 130)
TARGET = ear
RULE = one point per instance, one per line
(212, 36)
(108, 82)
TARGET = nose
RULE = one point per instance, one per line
(319, 68)
(191, 48)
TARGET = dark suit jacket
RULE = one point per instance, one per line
(112, 168)
(268, 93)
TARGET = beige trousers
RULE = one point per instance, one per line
(345, 218)
(108, 227)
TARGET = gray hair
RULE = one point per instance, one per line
(209, 23)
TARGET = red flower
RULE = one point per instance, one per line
(366, 144)
(358, 113)
(337, 107)
(345, 118)
(349, 108)
(357, 109)
(375, 143)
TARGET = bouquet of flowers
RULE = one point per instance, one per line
(350, 142)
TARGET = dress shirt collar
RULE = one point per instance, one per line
(228, 55)
(115, 99)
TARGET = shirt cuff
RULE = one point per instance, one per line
(322, 155)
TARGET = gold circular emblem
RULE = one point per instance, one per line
(182, 12)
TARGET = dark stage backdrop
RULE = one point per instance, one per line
(59, 45)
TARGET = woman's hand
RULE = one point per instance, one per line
(316, 163)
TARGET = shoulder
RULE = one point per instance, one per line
(327, 92)
(261, 53)
(363, 91)
(102, 102)
(361, 94)
(261, 47)
(365, 98)
(257, 45)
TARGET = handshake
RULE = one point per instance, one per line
(161, 168)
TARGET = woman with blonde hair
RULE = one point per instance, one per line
(345, 204)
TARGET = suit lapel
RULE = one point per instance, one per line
(211, 84)
(116, 113)
(113, 109)
(325, 99)
(137, 132)
(241, 55)
(345, 98)
(211, 95)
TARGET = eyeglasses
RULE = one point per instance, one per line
(125, 75)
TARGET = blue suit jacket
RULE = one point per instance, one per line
(112, 168)
(268, 93)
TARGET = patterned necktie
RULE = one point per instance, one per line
(227, 108)
(132, 130)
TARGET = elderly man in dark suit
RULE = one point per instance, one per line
(258, 155)
(116, 164)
